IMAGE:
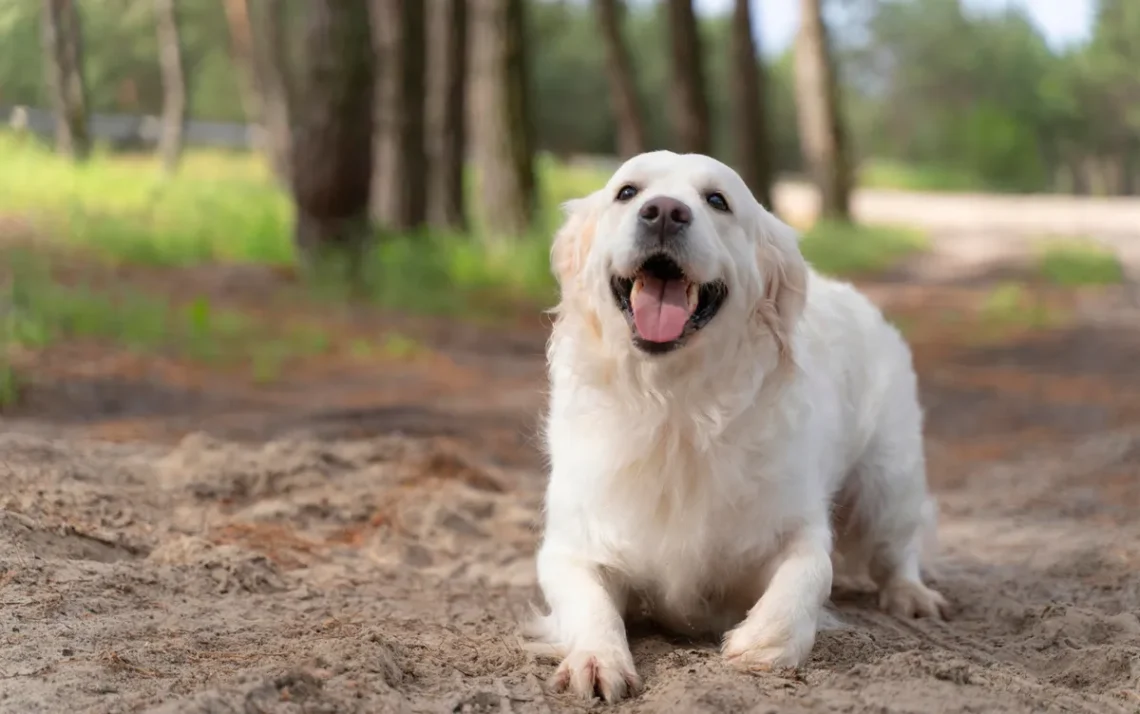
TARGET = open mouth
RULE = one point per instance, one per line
(663, 306)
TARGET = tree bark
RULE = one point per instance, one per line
(275, 78)
(333, 137)
(241, 52)
(173, 84)
(446, 113)
(623, 89)
(63, 59)
(689, 106)
(753, 150)
(265, 82)
(822, 134)
(502, 131)
(399, 195)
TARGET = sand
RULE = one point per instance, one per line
(388, 574)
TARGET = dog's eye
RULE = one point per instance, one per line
(718, 201)
(626, 193)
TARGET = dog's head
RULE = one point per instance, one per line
(674, 255)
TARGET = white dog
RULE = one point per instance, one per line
(722, 419)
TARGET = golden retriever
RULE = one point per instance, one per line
(723, 422)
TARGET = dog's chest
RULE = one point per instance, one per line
(688, 528)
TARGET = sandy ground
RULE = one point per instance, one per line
(973, 236)
(363, 541)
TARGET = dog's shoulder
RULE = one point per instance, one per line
(842, 322)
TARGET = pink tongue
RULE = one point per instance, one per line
(661, 309)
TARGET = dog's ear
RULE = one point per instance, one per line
(785, 274)
(573, 239)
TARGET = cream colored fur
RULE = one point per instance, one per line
(711, 487)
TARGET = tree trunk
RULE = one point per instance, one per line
(173, 84)
(689, 106)
(241, 52)
(399, 194)
(822, 135)
(334, 131)
(385, 138)
(446, 113)
(623, 88)
(502, 132)
(275, 79)
(63, 58)
(265, 83)
(753, 150)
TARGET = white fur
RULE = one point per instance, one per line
(709, 487)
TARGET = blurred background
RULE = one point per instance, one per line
(260, 185)
(273, 281)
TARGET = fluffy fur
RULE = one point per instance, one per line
(709, 488)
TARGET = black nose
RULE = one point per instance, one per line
(665, 216)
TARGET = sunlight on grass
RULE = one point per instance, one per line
(1076, 262)
(219, 207)
(857, 250)
(902, 177)
(224, 206)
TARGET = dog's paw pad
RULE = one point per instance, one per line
(909, 599)
(585, 673)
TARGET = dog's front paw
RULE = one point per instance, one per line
(760, 647)
(907, 599)
(609, 673)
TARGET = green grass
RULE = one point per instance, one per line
(1011, 305)
(219, 207)
(223, 206)
(847, 249)
(904, 177)
(37, 311)
(1078, 262)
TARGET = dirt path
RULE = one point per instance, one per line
(973, 236)
(303, 556)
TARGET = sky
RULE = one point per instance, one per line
(1063, 22)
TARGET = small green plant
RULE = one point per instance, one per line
(400, 346)
(8, 385)
(1077, 262)
(361, 349)
(1011, 305)
(849, 249)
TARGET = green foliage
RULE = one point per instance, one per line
(1077, 262)
(962, 95)
(966, 98)
(848, 249)
(39, 310)
(882, 173)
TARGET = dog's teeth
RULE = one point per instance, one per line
(693, 294)
(634, 290)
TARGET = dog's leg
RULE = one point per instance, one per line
(895, 513)
(780, 629)
(895, 567)
(585, 624)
